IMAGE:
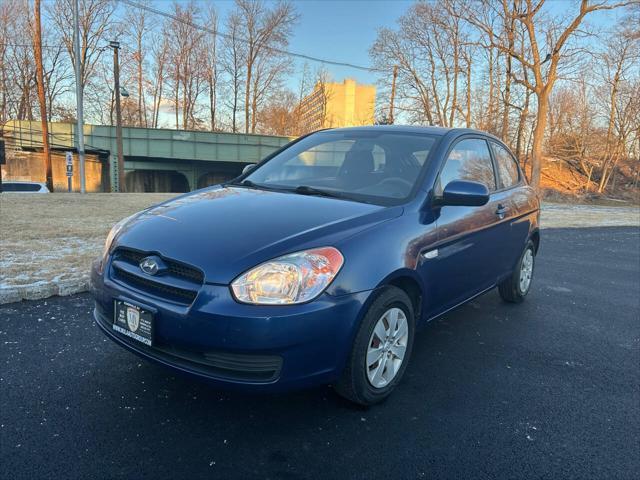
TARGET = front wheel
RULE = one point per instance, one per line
(516, 287)
(381, 349)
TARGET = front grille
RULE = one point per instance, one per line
(175, 268)
(141, 283)
(179, 284)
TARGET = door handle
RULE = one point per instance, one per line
(501, 210)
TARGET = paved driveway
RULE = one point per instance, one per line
(547, 389)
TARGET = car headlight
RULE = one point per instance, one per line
(290, 279)
(113, 233)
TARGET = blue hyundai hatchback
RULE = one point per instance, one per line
(317, 265)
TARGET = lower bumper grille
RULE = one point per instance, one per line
(214, 364)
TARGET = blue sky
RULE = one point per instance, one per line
(344, 30)
(337, 30)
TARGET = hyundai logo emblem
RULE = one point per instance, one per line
(149, 266)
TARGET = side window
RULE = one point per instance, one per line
(469, 160)
(507, 168)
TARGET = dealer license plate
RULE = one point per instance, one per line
(133, 321)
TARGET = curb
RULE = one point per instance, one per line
(44, 290)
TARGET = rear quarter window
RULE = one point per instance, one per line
(508, 172)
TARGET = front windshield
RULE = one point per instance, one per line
(380, 167)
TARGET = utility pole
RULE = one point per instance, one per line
(37, 47)
(116, 75)
(393, 93)
(79, 94)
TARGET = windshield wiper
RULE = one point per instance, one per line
(302, 189)
(243, 183)
(307, 190)
(250, 184)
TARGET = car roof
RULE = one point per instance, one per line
(428, 130)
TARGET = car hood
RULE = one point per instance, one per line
(226, 230)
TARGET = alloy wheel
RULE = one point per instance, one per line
(526, 271)
(387, 347)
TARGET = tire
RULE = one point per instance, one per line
(513, 290)
(355, 383)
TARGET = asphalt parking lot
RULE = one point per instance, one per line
(546, 389)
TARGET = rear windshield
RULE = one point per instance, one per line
(381, 167)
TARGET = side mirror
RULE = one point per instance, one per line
(465, 193)
(248, 168)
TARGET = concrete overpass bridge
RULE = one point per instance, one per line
(155, 159)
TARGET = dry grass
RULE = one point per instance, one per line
(561, 183)
(54, 238)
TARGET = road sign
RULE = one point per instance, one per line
(69, 156)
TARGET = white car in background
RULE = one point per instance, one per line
(24, 187)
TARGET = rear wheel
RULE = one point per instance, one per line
(516, 287)
(381, 349)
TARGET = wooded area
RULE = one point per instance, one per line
(556, 82)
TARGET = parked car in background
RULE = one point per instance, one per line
(24, 187)
(318, 265)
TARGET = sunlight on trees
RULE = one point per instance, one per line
(545, 80)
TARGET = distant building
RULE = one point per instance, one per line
(333, 105)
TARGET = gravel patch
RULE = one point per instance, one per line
(555, 215)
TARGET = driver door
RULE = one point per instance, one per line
(470, 239)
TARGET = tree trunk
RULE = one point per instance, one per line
(489, 123)
(177, 97)
(235, 110)
(507, 100)
(538, 137)
(212, 105)
(247, 93)
(140, 93)
(524, 113)
(468, 114)
(37, 47)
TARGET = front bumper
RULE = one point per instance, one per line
(261, 348)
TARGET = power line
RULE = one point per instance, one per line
(243, 40)
(26, 45)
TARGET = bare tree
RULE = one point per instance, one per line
(5, 34)
(429, 49)
(186, 67)
(550, 36)
(617, 63)
(233, 63)
(17, 68)
(137, 26)
(278, 117)
(96, 24)
(212, 65)
(160, 54)
(265, 31)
